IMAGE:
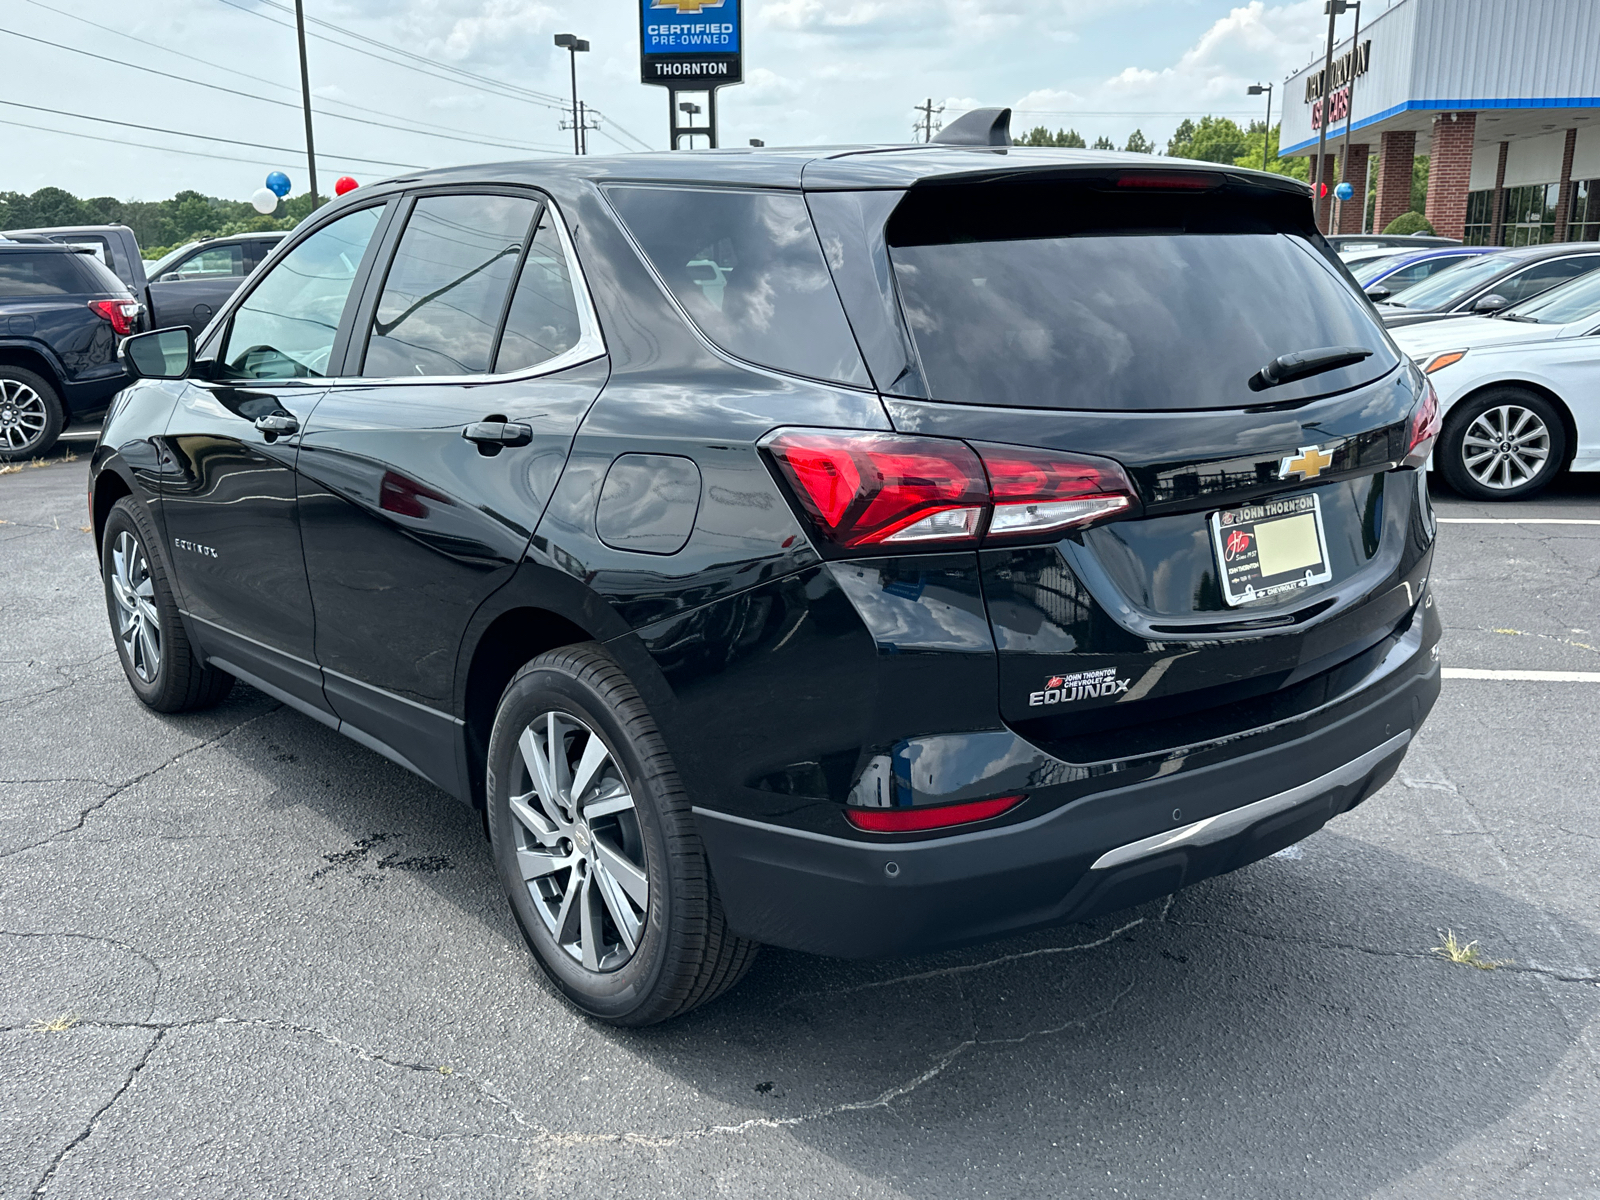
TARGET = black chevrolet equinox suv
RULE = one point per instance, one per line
(865, 551)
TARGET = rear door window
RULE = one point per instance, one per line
(748, 269)
(44, 273)
(543, 319)
(1067, 296)
(447, 286)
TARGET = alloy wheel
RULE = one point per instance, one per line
(23, 415)
(138, 626)
(1505, 446)
(579, 847)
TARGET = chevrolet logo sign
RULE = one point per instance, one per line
(686, 7)
(1308, 464)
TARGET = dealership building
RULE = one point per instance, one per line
(1503, 96)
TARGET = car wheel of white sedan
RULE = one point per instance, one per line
(1504, 444)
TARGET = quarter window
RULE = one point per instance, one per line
(45, 274)
(543, 318)
(447, 288)
(286, 327)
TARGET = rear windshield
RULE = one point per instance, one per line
(41, 273)
(1065, 296)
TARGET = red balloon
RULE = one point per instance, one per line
(344, 184)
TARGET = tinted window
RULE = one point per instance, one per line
(1369, 269)
(1575, 301)
(447, 287)
(214, 262)
(1451, 284)
(543, 319)
(42, 274)
(1544, 276)
(748, 269)
(1417, 272)
(286, 326)
(1125, 311)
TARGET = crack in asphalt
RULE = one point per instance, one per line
(94, 1120)
(68, 681)
(118, 788)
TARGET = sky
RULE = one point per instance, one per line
(817, 72)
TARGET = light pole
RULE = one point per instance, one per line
(574, 46)
(1255, 89)
(1350, 116)
(1333, 8)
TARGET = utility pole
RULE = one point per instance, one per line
(305, 99)
(574, 47)
(1255, 89)
(1350, 116)
(926, 125)
(1333, 8)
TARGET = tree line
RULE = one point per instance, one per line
(160, 225)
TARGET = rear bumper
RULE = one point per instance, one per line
(1108, 850)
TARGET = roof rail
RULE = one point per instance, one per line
(980, 127)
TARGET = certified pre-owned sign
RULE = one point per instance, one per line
(688, 42)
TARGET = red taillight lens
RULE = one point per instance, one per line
(908, 820)
(1039, 491)
(1168, 180)
(121, 313)
(1425, 424)
(864, 489)
(870, 489)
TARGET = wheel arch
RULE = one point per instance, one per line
(109, 487)
(32, 357)
(1563, 410)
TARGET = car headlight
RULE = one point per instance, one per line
(1438, 362)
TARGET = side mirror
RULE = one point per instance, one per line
(163, 354)
(1492, 303)
(1377, 293)
(170, 277)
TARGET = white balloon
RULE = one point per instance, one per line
(265, 200)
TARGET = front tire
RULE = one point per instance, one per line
(596, 846)
(161, 665)
(31, 415)
(1504, 444)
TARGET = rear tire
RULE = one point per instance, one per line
(162, 667)
(31, 415)
(596, 845)
(1504, 444)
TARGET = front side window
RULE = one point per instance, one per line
(1578, 300)
(39, 274)
(215, 262)
(1544, 276)
(1449, 285)
(446, 291)
(748, 269)
(286, 327)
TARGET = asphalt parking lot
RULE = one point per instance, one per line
(281, 966)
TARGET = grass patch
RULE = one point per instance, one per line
(53, 1024)
(10, 468)
(1466, 953)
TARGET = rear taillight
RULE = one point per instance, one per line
(1169, 181)
(123, 314)
(890, 489)
(911, 820)
(1425, 425)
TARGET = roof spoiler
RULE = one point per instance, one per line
(980, 127)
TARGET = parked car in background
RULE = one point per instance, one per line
(1489, 283)
(942, 586)
(1390, 273)
(114, 245)
(61, 314)
(1520, 393)
(191, 283)
(1350, 243)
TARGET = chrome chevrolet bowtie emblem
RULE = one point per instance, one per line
(1307, 464)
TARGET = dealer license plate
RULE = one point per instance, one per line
(1271, 548)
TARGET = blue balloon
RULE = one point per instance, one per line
(1344, 191)
(279, 183)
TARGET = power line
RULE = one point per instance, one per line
(446, 129)
(206, 137)
(499, 145)
(138, 145)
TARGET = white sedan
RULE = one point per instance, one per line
(1520, 392)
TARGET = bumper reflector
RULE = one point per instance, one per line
(906, 820)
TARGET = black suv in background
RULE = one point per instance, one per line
(862, 551)
(61, 313)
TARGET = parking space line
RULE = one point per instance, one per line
(1515, 521)
(1524, 676)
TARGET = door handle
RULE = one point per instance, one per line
(498, 433)
(277, 424)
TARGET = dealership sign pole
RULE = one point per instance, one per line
(691, 48)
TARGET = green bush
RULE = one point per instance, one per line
(1409, 222)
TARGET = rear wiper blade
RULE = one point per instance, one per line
(1286, 368)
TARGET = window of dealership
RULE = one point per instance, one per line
(1502, 97)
